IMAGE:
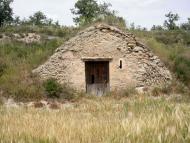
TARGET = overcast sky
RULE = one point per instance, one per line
(141, 12)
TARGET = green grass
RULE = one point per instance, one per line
(17, 60)
(64, 31)
(172, 47)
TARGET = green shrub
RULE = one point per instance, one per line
(55, 90)
(182, 68)
(3, 67)
(1, 101)
(52, 88)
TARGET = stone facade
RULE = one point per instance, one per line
(140, 67)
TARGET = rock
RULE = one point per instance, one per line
(150, 54)
(16, 36)
(131, 45)
(160, 64)
(154, 58)
(10, 103)
(30, 104)
(38, 105)
(137, 49)
(26, 38)
(142, 90)
(67, 105)
(45, 103)
(157, 61)
(54, 106)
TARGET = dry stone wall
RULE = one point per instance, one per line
(24, 37)
(140, 68)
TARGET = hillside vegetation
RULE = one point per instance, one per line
(17, 59)
(173, 47)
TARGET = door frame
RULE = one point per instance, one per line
(97, 59)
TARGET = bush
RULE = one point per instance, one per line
(52, 88)
(1, 99)
(55, 90)
(182, 69)
(175, 87)
(3, 67)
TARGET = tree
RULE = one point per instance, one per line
(89, 11)
(114, 20)
(57, 24)
(170, 22)
(16, 20)
(86, 11)
(186, 26)
(39, 18)
(157, 28)
(104, 10)
(6, 12)
(110, 16)
(48, 22)
(132, 26)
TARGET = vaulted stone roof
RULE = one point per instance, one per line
(100, 41)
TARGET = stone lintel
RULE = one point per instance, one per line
(88, 59)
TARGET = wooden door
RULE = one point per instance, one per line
(97, 77)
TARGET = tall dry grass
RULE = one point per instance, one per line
(134, 120)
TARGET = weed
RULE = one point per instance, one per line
(53, 88)
(136, 120)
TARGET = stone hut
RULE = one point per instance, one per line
(102, 58)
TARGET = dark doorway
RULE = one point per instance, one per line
(97, 77)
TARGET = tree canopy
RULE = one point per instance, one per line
(170, 23)
(39, 18)
(88, 11)
(6, 12)
(186, 26)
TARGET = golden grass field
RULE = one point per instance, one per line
(138, 119)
